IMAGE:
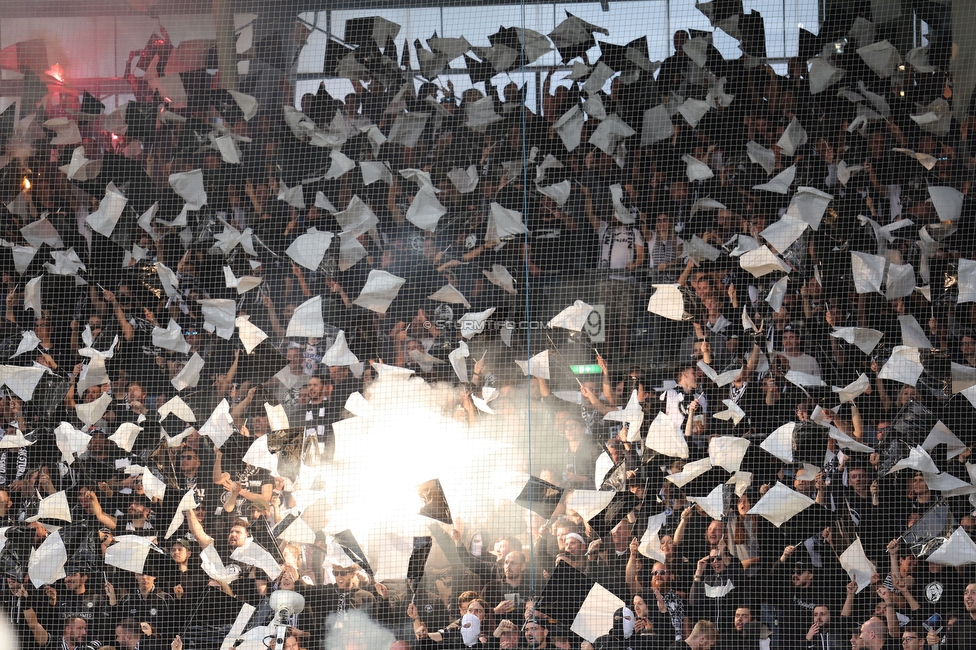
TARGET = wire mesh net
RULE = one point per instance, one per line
(595, 326)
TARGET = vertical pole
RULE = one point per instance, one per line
(226, 44)
(963, 56)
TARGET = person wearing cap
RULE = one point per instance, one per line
(77, 600)
(148, 605)
(715, 595)
(799, 589)
(184, 579)
(535, 632)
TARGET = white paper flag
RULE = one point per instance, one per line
(793, 138)
(664, 438)
(780, 184)
(307, 320)
(308, 249)
(904, 365)
(189, 376)
(537, 366)
(857, 565)
(780, 504)
(380, 290)
(250, 334)
(189, 185)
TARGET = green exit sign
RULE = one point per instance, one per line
(589, 369)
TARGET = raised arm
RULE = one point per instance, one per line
(590, 212)
(273, 316)
(107, 520)
(634, 565)
(682, 528)
(300, 276)
(891, 612)
(848, 609)
(608, 392)
(753, 362)
(241, 407)
(203, 539)
(40, 635)
(686, 273)
(880, 387)
(127, 330)
(857, 422)
(11, 301)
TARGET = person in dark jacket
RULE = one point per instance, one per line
(717, 589)
(621, 636)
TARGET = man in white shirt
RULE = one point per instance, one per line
(799, 362)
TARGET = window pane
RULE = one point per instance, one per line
(799, 14)
(312, 57)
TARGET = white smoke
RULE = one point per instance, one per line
(354, 630)
(412, 432)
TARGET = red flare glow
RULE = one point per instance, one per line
(57, 72)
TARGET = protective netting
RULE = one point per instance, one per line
(595, 326)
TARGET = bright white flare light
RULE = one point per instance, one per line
(371, 488)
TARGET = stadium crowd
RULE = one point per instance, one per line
(180, 281)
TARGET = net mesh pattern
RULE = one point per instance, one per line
(596, 326)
